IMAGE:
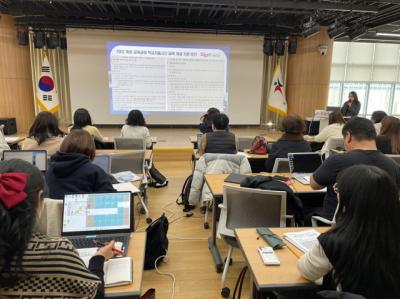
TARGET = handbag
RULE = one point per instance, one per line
(258, 146)
(157, 242)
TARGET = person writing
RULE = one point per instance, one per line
(351, 107)
(360, 253)
(33, 265)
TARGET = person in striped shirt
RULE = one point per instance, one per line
(32, 264)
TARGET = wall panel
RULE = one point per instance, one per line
(16, 95)
(308, 75)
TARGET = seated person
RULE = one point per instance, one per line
(291, 140)
(334, 129)
(207, 120)
(359, 141)
(71, 169)
(83, 121)
(136, 127)
(388, 141)
(360, 253)
(44, 134)
(220, 141)
(376, 118)
(3, 143)
(33, 265)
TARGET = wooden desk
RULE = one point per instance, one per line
(271, 138)
(148, 154)
(110, 139)
(215, 183)
(136, 251)
(273, 277)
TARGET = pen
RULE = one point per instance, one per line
(113, 249)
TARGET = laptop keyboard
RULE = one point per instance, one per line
(88, 242)
(303, 178)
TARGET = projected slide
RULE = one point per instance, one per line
(167, 78)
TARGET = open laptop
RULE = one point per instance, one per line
(101, 217)
(104, 162)
(37, 158)
(302, 165)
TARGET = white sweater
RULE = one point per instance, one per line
(136, 132)
(314, 264)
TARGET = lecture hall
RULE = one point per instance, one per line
(197, 149)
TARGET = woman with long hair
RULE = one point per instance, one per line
(135, 127)
(44, 134)
(207, 120)
(33, 265)
(352, 106)
(388, 141)
(360, 253)
(83, 121)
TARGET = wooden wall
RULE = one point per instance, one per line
(16, 95)
(308, 75)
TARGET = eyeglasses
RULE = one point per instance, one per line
(335, 188)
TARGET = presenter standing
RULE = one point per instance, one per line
(351, 107)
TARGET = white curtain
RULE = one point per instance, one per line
(59, 66)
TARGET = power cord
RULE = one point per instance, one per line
(171, 275)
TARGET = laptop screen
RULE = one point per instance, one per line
(97, 212)
(304, 162)
(37, 158)
(103, 161)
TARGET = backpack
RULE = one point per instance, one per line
(258, 146)
(156, 242)
(184, 196)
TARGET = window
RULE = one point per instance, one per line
(372, 70)
(396, 100)
(334, 94)
(379, 97)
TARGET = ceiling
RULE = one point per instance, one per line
(275, 18)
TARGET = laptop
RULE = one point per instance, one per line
(98, 217)
(198, 136)
(37, 158)
(104, 162)
(302, 165)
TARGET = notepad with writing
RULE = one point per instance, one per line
(303, 240)
(118, 272)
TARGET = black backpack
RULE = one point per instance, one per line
(157, 242)
(158, 180)
(183, 198)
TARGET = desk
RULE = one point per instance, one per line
(215, 183)
(148, 155)
(110, 139)
(136, 251)
(268, 278)
(271, 138)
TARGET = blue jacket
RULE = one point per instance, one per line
(75, 173)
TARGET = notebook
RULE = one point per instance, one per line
(117, 271)
(126, 176)
(235, 178)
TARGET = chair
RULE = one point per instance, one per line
(133, 161)
(50, 221)
(332, 143)
(129, 143)
(316, 219)
(245, 208)
(396, 158)
(104, 162)
(281, 165)
(245, 142)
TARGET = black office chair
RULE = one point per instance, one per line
(338, 295)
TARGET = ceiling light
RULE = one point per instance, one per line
(388, 34)
(357, 30)
(310, 28)
(336, 29)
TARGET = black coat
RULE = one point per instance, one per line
(74, 173)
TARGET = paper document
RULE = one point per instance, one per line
(127, 187)
(86, 254)
(126, 176)
(303, 240)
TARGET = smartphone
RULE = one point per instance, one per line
(268, 256)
